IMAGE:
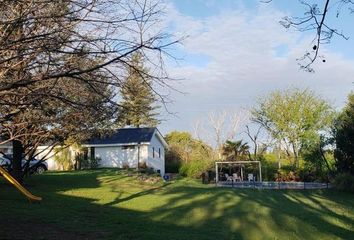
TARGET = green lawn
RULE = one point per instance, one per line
(109, 204)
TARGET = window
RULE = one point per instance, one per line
(159, 153)
(153, 152)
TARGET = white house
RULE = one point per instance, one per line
(127, 147)
(130, 147)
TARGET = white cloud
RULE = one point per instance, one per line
(243, 63)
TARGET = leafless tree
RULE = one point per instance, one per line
(198, 129)
(315, 19)
(62, 62)
(225, 127)
(259, 147)
(217, 122)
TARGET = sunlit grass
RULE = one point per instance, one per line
(115, 205)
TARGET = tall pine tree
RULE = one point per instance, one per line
(139, 102)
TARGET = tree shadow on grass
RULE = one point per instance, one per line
(186, 212)
(268, 213)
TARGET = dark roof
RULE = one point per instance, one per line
(125, 136)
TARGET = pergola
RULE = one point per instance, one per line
(238, 163)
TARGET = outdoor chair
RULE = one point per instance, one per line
(250, 177)
(236, 177)
(228, 177)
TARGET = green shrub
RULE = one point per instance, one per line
(81, 162)
(95, 162)
(269, 167)
(284, 175)
(63, 158)
(172, 167)
(344, 182)
(86, 163)
(195, 168)
(186, 155)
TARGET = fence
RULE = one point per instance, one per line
(274, 185)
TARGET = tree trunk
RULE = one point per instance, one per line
(17, 160)
(279, 155)
(296, 153)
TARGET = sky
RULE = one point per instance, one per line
(236, 52)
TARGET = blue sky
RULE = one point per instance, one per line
(236, 51)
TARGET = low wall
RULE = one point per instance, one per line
(275, 185)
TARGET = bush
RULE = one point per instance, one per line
(186, 155)
(310, 173)
(82, 163)
(344, 182)
(269, 167)
(63, 158)
(195, 168)
(172, 167)
(95, 162)
(286, 176)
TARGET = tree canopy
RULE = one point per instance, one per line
(236, 150)
(139, 101)
(190, 155)
(292, 117)
(62, 64)
(344, 136)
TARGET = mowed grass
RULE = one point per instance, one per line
(109, 204)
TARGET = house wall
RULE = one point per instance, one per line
(119, 157)
(155, 160)
(6, 148)
(44, 151)
(116, 156)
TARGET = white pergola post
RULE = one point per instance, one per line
(217, 173)
(260, 171)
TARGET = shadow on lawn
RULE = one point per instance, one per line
(259, 214)
(187, 212)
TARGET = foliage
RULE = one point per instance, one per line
(292, 117)
(196, 167)
(80, 161)
(318, 160)
(114, 205)
(63, 158)
(269, 166)
(344, 136)
(192, 156)
(344, 182)
(138, 99)
(87, 163)
(283, 175)
(172, 160)
(61, 66)
(236, 150)
(95, 162)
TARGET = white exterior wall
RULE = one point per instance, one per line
(44, 151)
(118, 157)
(154, 160)
(6, 148)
